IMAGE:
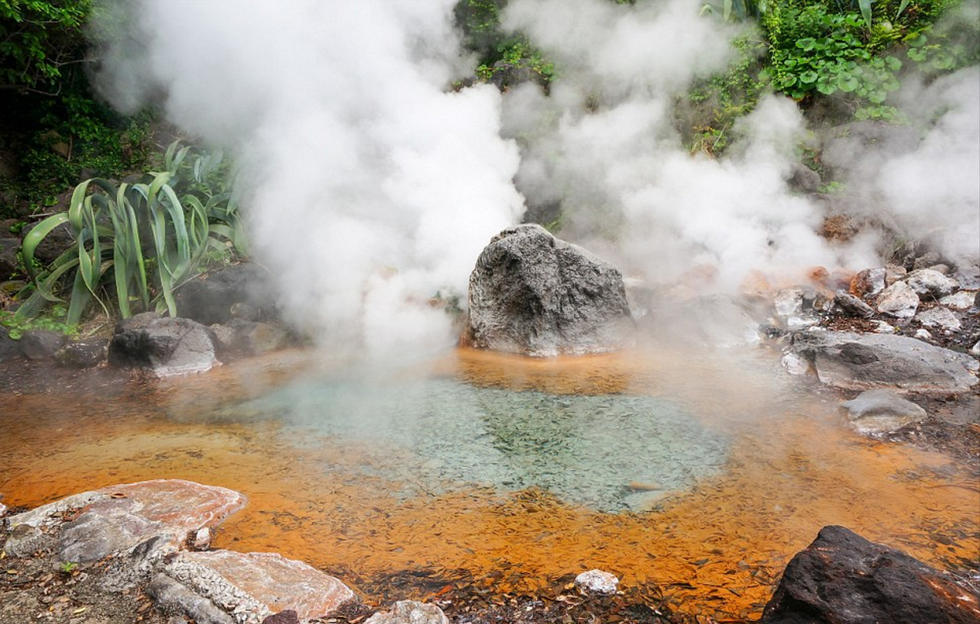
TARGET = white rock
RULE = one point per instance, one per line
(894, 273)
(202, 539)
(3, 510)
(794, 364)
(939, 317)
(962, 300)
(596, 582)
(922, 334)
(409, 612)
(881, 411)
(931, 282)
(801, 322)
(788, 302)
(975, 349)
(881, 327)
(898, 300)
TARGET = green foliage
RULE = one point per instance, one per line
(135, 242)
(68, 567)
(501, 55)
(38, 40)
(51, 120)
(51, 320)
(724, 97)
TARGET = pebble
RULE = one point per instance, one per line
(852, 305)
(881, 327)
(922, 334)
(596, 582)
(202, 539)
(975, 349)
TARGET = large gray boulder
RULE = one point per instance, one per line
(164, 346)
(534, 294)
(865, 361)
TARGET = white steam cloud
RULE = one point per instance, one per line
(370, 185)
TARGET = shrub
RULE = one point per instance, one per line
(135, 242)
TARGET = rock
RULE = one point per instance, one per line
(534, 294)
(930, 282)
(898, 300)
(788, 302)
(841, 578)
(852, 306)
(120, 518)
(9, 348)
(9, 260)
(968, 275)
(939, 317)
(409, 612)
(201, 539)
(24, 540)
(81, 353)
(922, 334)
(173, 598)
(40, 344)
(596, 582)
(881, 327)
(962, 300)
(804, 179)
(253, 586)
(165, 346)
(283, 617)
(894, 273)
(866, 361)
(942, 268)
(926, 260)
(975, 349)
(794, 364)
(3, 512)
(881, 411)
(258, 338)
(868, 282)
(54, 244)
(210, 298)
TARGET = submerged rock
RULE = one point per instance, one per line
(898, 300)
(842, 578)
(165, 346)
(596, 582)
(250, 586)
(534, 294)
(881, 411)
(865, 361)
(409, 612)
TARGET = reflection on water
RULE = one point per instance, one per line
(497, 466)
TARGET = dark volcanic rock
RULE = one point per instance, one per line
(9, 262)
(166, 346)
(865, 361)
(40, 344)
(9, 348)
(534, 294)
(842, 578)
(211, 298)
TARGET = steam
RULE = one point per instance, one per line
(370, 185)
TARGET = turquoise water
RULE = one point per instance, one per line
(609, 452)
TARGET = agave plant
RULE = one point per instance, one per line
(138, 241)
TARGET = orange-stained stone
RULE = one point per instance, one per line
(269, 579)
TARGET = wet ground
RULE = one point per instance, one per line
(765, 465)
